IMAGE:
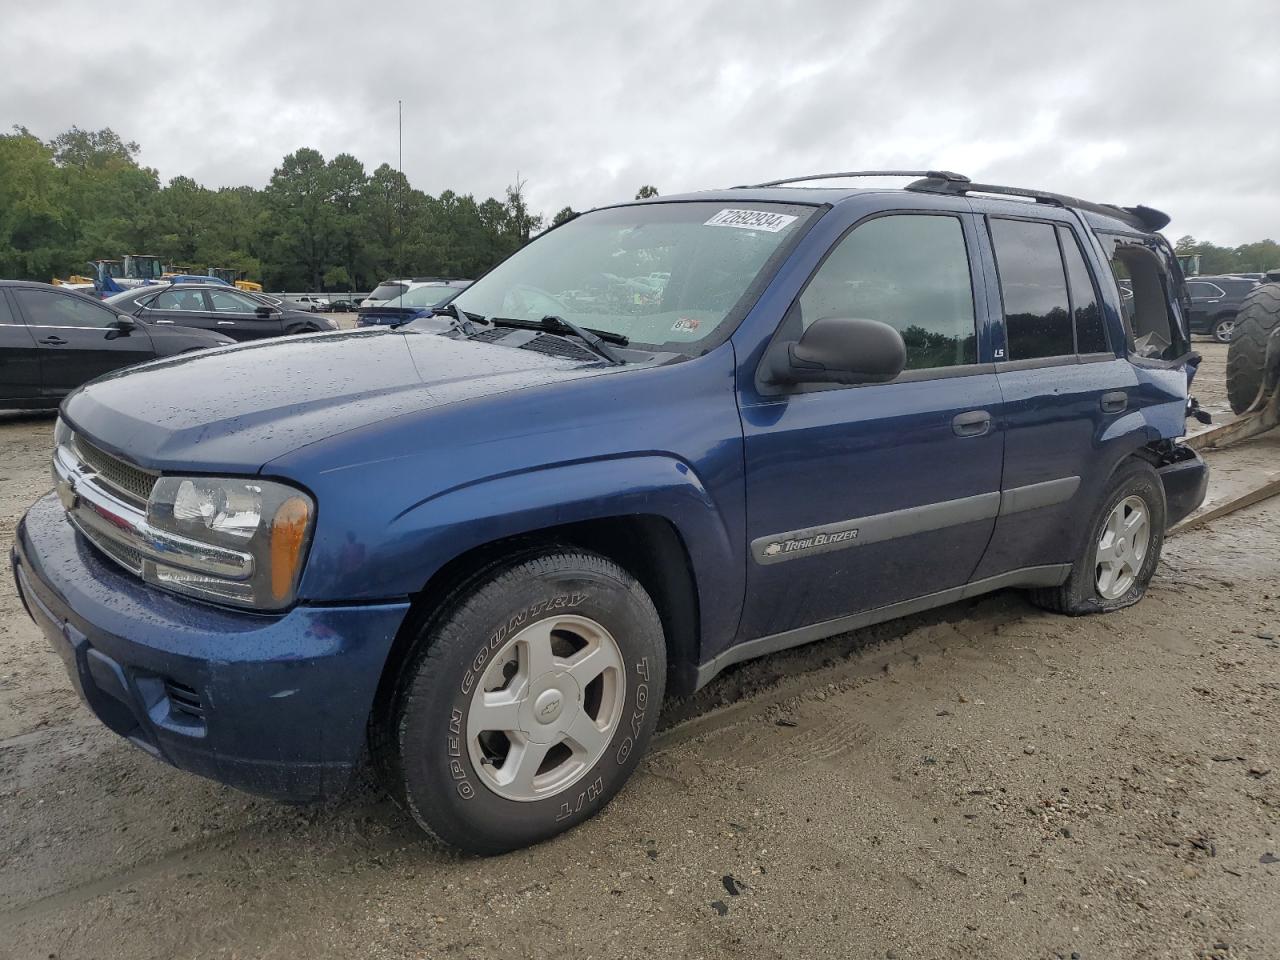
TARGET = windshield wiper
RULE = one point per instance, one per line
(596, 340)
(466, 322)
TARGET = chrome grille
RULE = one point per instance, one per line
(122, 478)
(121, 553)
(124, 555)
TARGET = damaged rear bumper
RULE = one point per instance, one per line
(1186, 480)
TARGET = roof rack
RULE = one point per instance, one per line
(1144, 218)
(944, 176)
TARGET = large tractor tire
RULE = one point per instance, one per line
(1246, 357)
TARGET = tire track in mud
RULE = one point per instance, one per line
(866, 663)
(793, 675)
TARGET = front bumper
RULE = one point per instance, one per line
(276, 705)
(1186, 481)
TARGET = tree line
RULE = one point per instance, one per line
(1256, 257)
(318, 224)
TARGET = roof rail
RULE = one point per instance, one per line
(942, 175)
(1144, 218)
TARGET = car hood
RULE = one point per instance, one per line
(235, 409)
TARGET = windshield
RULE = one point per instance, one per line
(666, 275)
(126, 298)
(388, 291)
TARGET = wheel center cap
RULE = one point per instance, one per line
(1123, 545)
(547, 708)
(550, 707)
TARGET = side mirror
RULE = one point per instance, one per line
(844, 350)
(263, 312)
(125, 324)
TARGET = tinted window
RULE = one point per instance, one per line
(911, 272)
(1091, 335)
(227, 301)
(1203, 291)
(6, 315)
(190, 300)
(46, 309)
(1034, 288)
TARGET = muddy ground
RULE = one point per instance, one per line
(984, 781)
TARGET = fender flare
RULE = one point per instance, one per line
(430, 533)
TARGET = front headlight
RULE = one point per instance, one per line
(256, 533)
(61, 433)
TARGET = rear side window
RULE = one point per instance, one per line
(1091, 333)
(1034, 288)
(191, 300)
(910, 271)
(63, 310)
(6, 314)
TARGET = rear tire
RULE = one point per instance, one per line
(1222, 329)
(527, 704)
(1246, 359)
(1120, 554)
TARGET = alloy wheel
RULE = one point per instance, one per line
(546, 708)
(1122, 548)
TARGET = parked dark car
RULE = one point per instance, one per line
(416, 301)
(53, 340)
(240, 315)
(481, 549)
(1215, 301)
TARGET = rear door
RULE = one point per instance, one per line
(864, 496)
(1062, 381)
(78, 338)
(19, 356)
(1206, 302)
(182, 307)
(236, 315)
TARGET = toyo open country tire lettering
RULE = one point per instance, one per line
(1122, 549)
(1247, 356)
(527, 703)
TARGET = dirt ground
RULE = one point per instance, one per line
(984, 781)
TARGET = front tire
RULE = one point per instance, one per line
(1222, 329)
(1120, 554)
(527, 704)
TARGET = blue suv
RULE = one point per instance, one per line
(475, 552)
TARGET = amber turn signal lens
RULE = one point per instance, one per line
(288, 534)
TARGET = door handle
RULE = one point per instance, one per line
(53, 341)
(226, 323)
(975, 423)
(1114, 402)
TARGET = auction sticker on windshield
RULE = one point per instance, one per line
(751, 220)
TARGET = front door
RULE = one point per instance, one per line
(181, 306)
(861, 497)
(19, 357)
(237, 315)
(78, 338)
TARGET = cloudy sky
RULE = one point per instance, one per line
(1171, 104)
